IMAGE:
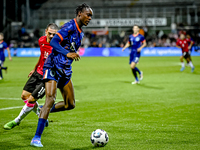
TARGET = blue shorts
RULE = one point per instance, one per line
(2, 57)
(134, 58)
(1, 63)
(57, 75)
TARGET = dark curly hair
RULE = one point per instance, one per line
(81, 7)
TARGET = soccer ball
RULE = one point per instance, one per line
(99, 138)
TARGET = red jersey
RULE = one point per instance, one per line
(45, 50)
(183, 44)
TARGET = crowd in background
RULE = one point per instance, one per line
(158, 39)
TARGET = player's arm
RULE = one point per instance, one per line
(177, 45)
(55, 43)
(144, 43)
(9, 55)
(190, 46)
(126, 46)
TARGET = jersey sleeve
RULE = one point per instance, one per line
(177, 43)
(129, 39)
(188, 40)
(59, 37)
(39, 42)
(5, 45)
(65, 31)
(142, 39)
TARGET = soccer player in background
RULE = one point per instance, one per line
(57, 68)
(34, 87)
(3, 46)
(183, 44)
(136, 42)
(189, 39)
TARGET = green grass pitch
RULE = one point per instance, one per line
(162, 112)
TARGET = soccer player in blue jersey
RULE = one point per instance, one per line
(136, 42)
(57, 68)
(3, 46)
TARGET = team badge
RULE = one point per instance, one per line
(52, 73)
(137, 39)
(82, 35)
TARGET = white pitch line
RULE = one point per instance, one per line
(5, 98)
(7, 108)
(10, 108)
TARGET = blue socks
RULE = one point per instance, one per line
(135, 74)
(137, 70)
(40, 127)
(53, 109)
(1, 73)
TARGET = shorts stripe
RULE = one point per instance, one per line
(45, 75)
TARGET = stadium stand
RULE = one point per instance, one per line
(179, 15)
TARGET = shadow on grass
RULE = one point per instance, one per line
(86, 148)
(145, 85)
(150, 87)
(9, 145)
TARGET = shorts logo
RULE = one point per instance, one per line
(73, 46)
(46, 54)
(52, 73)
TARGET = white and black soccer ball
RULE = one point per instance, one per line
(99, 138)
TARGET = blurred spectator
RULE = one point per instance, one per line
(103, 39)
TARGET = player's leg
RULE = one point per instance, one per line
(50, 90)
(136, 68)
(22, 114)
(28, 94)
(30, 100)
(69, 99)
(182, 63)
(1, 75)
(188, 58)
(132, 65)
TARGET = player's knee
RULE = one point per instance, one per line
(51, 98)
(24, 97)
(132, 67)
(70, 106)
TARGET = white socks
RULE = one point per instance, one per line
(191, 65)
(26, 110)
(182, 64)
(35, 109)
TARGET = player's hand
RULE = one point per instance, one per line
(73, 56)
(30, 74)
(10, 58)
(189, 47)
(123, 49)
(139, 50)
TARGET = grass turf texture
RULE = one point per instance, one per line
(163, 112)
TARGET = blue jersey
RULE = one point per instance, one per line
(3, 46)
(57, 66)
(136, 41)
(67, 39)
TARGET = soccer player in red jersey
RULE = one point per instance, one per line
(34, 87)
(183, 44)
